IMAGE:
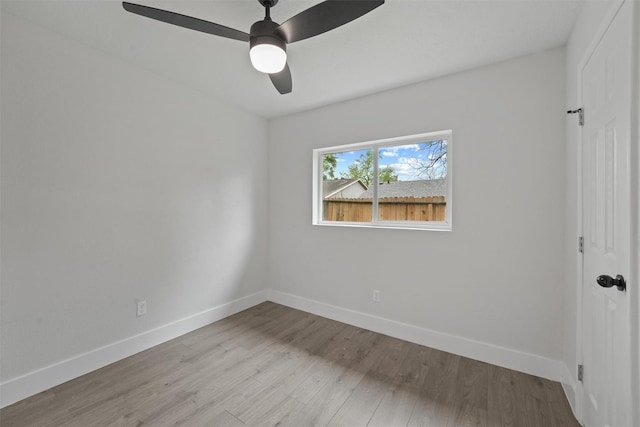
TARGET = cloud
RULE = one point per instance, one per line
(399, 150)
(407, 168)
(403, 168)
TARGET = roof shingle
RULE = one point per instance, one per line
(419, 188)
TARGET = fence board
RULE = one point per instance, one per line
(389, 209)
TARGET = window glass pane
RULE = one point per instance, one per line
(345, 177)
(413, 182)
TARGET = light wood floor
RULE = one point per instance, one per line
(273, 365)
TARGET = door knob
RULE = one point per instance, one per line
(608, 282)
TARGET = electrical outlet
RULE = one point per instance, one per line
(141, 307)
(376, 295)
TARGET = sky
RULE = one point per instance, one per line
(402, 159)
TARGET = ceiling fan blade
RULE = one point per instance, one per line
(186, 21)
(323, 17)
(282, 80)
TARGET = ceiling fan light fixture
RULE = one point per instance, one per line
(268, 53)
(267, 39)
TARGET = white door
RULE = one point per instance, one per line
(606, 327)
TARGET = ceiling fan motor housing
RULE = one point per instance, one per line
(265, 32)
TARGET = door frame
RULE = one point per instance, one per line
(635, 212)
(634, 164)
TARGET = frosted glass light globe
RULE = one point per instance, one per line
(268, 58)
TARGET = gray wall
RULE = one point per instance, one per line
(117, 184)
(497, 277)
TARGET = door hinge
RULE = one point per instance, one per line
(581, 244)
(580, 373)
(580, 113)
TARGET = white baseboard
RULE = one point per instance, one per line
(496, 355)
(42, 379)
(570, 387)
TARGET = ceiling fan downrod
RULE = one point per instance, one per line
(268, 4)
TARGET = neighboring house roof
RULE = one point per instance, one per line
(420, 188)
(332, 187)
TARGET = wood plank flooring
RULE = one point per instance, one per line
(275, 366)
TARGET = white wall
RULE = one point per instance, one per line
(117, 184)
(497, 278)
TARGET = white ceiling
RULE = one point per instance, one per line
(400, 42)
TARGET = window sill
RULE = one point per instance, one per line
(420, 226)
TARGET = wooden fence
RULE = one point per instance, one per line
(389, 209)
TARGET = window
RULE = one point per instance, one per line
(400, 182)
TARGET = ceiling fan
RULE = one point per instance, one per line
(267, 39)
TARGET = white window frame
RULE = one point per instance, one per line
(318, 154)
